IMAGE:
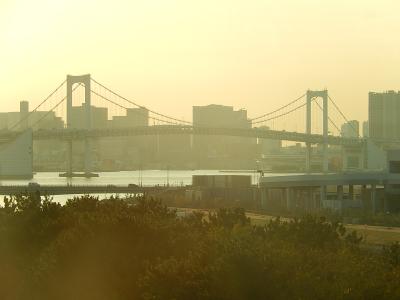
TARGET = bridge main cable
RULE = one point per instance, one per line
(281, 115)
(329, 118)
(343, 116)
(279, 109)
(53, 108)
(121, 106)
(140, 106)
(37, 107)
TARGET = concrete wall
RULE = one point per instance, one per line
(16, 157)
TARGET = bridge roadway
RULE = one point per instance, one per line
(82, 189)
(80, 134)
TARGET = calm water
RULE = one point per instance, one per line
(144, 177)
(147, 177)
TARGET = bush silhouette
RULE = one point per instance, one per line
(136, 248)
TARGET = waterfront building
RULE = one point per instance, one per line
(99, 117)
(267, 146)
(223, 151)
(350, 129)
(135, 117)
(37, 119)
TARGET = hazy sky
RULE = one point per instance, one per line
(170, 55)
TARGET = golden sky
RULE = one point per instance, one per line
(170, 55)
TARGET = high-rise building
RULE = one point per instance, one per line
(222, 151)
(365, 129)
(220, 116)
(44, 120)
(384, 112)
(350, 129)
(135, 117)
(99, 117)
(24, 119)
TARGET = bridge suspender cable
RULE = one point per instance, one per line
(53, 108)
(329, 119)
(283, 107)
(140, 106)
(37, 107)
(342, 114)
(281, 115)
(121, 106)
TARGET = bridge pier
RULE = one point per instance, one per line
(308, 131)
(325, 166)
(87, 163)
(88, 158)
(308, 157)
(69, 159)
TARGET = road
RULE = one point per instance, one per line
(373, 235)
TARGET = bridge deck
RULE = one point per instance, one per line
(80, 134)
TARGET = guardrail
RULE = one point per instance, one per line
(80, 134)
(82, 189)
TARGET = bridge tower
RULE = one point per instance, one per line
(85, 80)
(310, 96)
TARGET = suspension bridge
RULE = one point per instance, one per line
(304, 119)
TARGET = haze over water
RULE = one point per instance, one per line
(123, 178)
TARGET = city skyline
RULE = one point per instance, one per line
(174, 55)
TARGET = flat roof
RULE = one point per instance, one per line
(318, 179)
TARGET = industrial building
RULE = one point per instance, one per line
(223, 190)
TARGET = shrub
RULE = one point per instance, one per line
(136, 248)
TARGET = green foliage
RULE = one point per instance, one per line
(228, 218)
(136, 248)
(392, 254)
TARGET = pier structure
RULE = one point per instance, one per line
(370, 191)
